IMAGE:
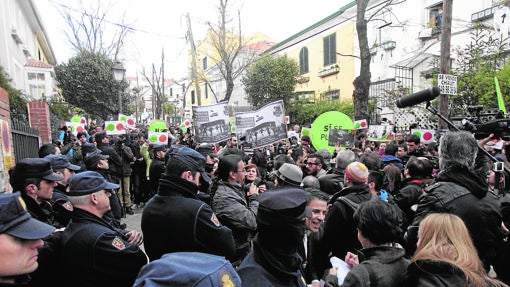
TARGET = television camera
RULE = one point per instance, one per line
(482, 123)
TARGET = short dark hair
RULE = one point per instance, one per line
(296, 152)
(391, 149)
(81, 134)
(419, 167)
(47, 149)
(316, 194)
(227, 164)
(377, 178)
(371, 160)
(319, 158)
(378, 221)
(413, 138)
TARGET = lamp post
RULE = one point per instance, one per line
(118, 74)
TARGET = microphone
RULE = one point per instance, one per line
(418, 97)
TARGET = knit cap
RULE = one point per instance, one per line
(356, 172)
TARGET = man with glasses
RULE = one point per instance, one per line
(314, 165)
(35, 179)
(176, 220)
(235, 208)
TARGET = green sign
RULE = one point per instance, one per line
(330, 128)
(157, 126)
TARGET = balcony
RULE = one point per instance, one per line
(389, 45)
(484, 14)
(329, 71)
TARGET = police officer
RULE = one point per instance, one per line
(20, 238)
(35, 179)
(94, 253)
(59, 201)
(157, 166)
(194, 226)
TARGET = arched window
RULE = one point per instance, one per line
(303, 61)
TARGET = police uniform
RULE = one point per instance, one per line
(176, 220)
(94, 253)
(61, 206)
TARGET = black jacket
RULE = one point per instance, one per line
(156, 169)
(340, 232)
(94, 253)
(62, 207)
(114, 160)
(407, 196)
(333, 182)
(433, 273)
(464, 193)
(176, 220)
(379, 266)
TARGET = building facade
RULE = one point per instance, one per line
(26, 55)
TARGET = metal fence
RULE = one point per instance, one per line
(25, 140)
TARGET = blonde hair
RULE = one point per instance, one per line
(445, 237)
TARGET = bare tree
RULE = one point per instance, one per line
(89, 31)
(156, 83)
(229, 45)
(362, 82)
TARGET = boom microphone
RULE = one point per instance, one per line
(418, 97)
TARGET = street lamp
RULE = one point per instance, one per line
(118, 74)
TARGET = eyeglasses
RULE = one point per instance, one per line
(311, 163)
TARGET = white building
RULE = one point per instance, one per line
(26, 55)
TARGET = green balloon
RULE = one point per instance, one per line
(305, 131)
(326, 122)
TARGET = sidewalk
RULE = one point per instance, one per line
(133, 222)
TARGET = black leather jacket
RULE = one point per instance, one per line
(464, 193)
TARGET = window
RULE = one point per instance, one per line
(333, 95)
(330, 50)
(204, 63)
(303, 61)
(436, 16)
(37, 91)
(205, 90)
(192, 97)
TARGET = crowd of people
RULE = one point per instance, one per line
(398, 212)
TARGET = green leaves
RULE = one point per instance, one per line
(87, 82)
(269, 79)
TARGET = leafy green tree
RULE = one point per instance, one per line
(271, 79)
(18, 105)
(87, 82)
(478, 63)
(304, 113)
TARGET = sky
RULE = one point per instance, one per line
(160, 25)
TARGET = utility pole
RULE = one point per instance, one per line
(163, 83)
(194, 74)
(444, 60)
